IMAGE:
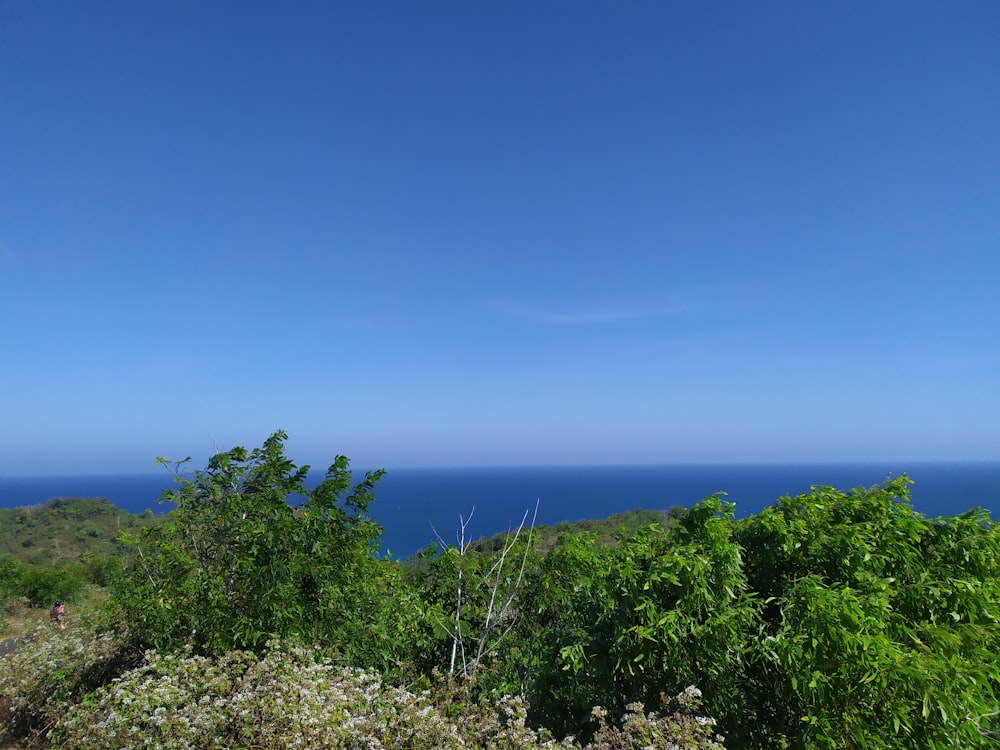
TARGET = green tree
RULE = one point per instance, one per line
(250, 553)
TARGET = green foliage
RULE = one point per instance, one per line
(608, 532)
(880, 625)
(500, 592)
(236, 563)
(470, 590)
(39, 586)
(66, 531)
(833, 619)
(42, 586)
(10, 574)
(563, 618)
(668, 607)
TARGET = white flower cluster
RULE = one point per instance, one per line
(291, 697)
(681, 730)
(40, 678)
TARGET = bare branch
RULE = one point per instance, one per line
(497, 571)
(457, 639)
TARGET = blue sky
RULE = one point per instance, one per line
(443, 234)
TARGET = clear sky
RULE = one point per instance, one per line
(489, 233)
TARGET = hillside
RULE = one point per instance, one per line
(609, 531)
(66, 530)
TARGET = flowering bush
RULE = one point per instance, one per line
(49, 671)
(681, 729)
(291, 696)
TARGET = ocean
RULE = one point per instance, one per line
(412, 503)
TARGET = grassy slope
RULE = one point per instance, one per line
(19, 618)
(66, 530)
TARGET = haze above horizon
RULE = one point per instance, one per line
(480, 234)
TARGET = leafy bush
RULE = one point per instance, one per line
(10, 573)
(100, 569)
(42, 586)
(236, 563)
(880, 626)
(668, 607)
(831, 619)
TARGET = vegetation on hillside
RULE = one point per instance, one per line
(57, 549)
(608, 532)
(67, 530)
(835, 619)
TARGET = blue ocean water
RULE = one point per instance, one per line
(412, 503)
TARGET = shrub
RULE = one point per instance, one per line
(42, 586)
(879, 626)
(296, 696)
(683, 727)
(236, 564)
(666, 608)
(49, 671)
